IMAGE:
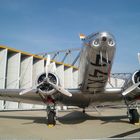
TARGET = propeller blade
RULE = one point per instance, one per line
(139, 57)
(53, 67)
(60, 89)
(25, 91)
(48, 60)
(130, 89)
(47, 65)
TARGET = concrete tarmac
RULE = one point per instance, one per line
(111, 123)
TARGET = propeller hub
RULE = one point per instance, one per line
(45, 87)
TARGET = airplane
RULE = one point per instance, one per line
(96, 59)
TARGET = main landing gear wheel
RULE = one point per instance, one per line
(84, 111)
(133, 116)
(51, 118)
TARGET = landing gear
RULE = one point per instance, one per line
(51, 118)
(132, 111)
(133, 116)
(83, 111)
(51, 112)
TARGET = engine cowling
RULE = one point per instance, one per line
(135, 94)
(46, 87)
(136, 78)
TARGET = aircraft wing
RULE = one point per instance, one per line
(14, 95)
(78, 98)
(32, 96)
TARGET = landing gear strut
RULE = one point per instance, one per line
(51, 112)
(132, 111)
(83, 111)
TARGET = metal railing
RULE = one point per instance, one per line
(68, 56)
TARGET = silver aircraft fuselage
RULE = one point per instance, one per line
(96, 61)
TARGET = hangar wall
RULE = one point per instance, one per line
(19, 70)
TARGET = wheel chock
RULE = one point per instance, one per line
(50, 125)
(137, 123)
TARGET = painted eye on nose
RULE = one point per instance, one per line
(111, 42)
(96, 43)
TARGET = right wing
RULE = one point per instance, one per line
(14, 95)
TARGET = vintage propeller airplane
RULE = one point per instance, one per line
(96, 59)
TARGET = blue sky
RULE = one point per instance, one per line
(47, 25)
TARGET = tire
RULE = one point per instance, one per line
(134, 116)
(51, 118)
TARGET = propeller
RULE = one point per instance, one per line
(25, 91)
(130, 89)
(49, 67)
(134, 86)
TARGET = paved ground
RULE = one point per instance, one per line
(70, 125)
